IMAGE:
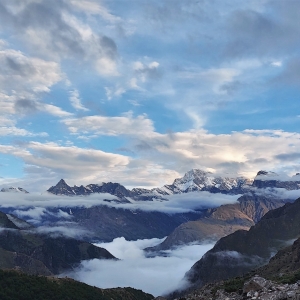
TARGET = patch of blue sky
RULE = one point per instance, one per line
(11, 166)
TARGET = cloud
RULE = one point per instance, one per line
(27, 74)
(157, 156)
(35, 213)
(55, 32)
(158, 275)
(66, 229)
(75, 101)
(68, 160)
(14, 131)
(114, 126)
(23, 203)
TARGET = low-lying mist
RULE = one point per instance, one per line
(157, 275)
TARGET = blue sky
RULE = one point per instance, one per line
(139, 92)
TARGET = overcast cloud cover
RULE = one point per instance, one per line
(141, 92)
(158, 275)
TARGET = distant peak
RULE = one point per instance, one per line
(62, 182)
(262, 172)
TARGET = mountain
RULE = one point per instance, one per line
(106, 223)
(286, 263)
(194, 180)
(16, 285)
(116, 189)
(35, 253)
(265, 179)
(242, 250)
(278, 279)
(221, 221)
(199, 180)
(14, 190)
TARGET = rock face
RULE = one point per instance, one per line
(221, 221)
(242, 251)
(255, 288)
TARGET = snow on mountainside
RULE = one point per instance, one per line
(14, 190)
(198, 180)
(193, 181)
(265, 179)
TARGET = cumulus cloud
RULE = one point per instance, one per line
(67, 160)
(158, 275)
(160, 158)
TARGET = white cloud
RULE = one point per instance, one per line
(93, 7)
(76, 101)
(14, 131)
(22, 73)
(54, 110)
(174, 204)
(101, 125)
(158, 275)
(67, 229)
(106, 66)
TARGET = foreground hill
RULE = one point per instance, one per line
(19, 286)
(279, 279)
(242, 251)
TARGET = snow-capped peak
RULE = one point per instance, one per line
(12, 189)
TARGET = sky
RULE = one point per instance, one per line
(139, 92)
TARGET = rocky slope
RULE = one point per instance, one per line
(279, 279)
(221, 221)
(242, 251)
(255, 287)
(106, 223)
(40, 254)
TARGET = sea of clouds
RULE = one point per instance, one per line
(157, 275)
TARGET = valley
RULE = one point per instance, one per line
(166, 233)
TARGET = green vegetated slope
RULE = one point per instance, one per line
(14, 285)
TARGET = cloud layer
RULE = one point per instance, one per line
(158, 275)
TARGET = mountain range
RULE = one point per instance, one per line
(251, 230)
(106, 223)
(194, 180)
(217, 222)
